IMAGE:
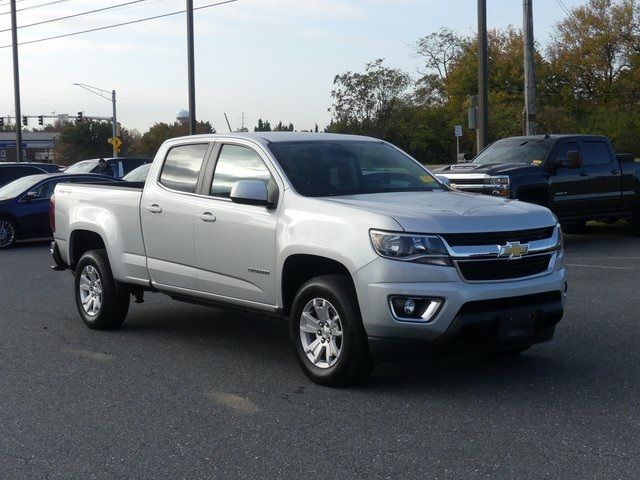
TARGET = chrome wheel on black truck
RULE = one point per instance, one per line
(327, 332)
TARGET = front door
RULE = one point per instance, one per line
(234, 243)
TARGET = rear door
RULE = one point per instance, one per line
(234, 243)
(166, 212)
(603, 179)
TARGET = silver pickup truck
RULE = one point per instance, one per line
(366, 254)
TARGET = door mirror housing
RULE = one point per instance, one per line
(444, 180)
(573, 160)
(250, 192)
(32, 195)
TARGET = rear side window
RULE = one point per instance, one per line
(237, 163)
(129, 165)
(595, 153)
(182, 167)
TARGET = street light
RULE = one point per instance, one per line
(103, 94)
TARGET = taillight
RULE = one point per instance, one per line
(52, 213)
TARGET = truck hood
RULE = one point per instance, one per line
(488, 169)
(451, 212)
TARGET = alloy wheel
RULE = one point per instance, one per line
(321, 333)
(90, 290)
(7, 233)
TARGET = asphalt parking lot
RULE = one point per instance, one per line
(189, 392)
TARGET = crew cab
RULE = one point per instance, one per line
(579, 177)
(356, 244)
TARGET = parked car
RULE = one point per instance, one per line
(10, 171)
(139, 174)
(24, 205)
(120, 166)
(579, 177)
(366, 253)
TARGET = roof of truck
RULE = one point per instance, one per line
(272, 137)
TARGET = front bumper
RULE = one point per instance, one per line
(475, 316)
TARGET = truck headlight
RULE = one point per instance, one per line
(500, 185)
(427, 249)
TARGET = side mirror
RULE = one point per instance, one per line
(573, 159)
(250, 192)
(444, 180)
(32, 195)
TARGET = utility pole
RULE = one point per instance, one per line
(16, 80)
(190, 61)
(529, 70)
(104, 94)
(483, 77)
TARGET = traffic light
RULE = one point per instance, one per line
(1, 122)
(79, 117)
(41, 120)
(25, 120)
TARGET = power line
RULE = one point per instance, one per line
(9, 3)
(563, 7)
(119, 24)
(35, 6)
(76, 15)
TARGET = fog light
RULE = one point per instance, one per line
(409, 306)
(415, 309)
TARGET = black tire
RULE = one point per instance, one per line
(8, 233)
(574, 227)
(114, 302)
(353, 363)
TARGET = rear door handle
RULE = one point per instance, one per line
(584, 174)
(614, 172)
(155, 208)
(206, 217)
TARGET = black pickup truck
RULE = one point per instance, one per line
(579, 177)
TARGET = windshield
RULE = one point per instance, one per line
(139, 174)
(349, 167)
(85, 166)
(15, 188)
(514, 150)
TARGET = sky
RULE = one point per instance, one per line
(269, 59)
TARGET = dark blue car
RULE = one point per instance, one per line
(24, 205)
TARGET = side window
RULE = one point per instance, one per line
(595, 153)
(182, 167)
(45, 190)
(561, 152)
(237, 163)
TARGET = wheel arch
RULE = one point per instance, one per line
(298, 268)
(81, 241)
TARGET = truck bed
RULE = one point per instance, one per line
(94, 206)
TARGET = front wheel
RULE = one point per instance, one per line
(7, 233)
(101, 304)
(327, 332)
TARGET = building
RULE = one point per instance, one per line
(36, 146)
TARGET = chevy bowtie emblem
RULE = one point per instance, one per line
(513, 250)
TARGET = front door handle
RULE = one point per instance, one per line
(584, 174)
(155, 208)
(614, 172)
(206, 217)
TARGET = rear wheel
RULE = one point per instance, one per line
(7, 233)
(100, 303)
(327, 332)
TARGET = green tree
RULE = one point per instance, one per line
(262, 126)
(82, 140)
(151, 140)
